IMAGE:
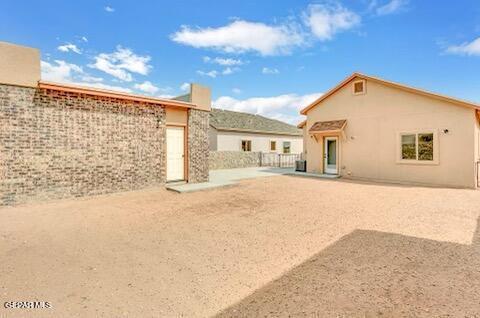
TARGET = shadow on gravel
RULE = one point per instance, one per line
(372, 274)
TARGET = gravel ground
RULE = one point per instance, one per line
(274, 246)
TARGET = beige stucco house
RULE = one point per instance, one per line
(370, 128)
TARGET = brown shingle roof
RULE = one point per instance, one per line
(331, 125)
(221, 119)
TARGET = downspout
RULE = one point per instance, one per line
(478, 150)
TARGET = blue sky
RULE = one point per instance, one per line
(265, 57)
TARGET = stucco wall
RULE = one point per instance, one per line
(232, 141)
(304, 135)
(477, 149)
(57, 145)
(233, 159)
(176, 116)
(212, 139)
(19, 65)
(373, 123)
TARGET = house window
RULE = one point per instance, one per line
(273, 145)
(418, 147)
(246, 145)
(286, 147)
(359, 87)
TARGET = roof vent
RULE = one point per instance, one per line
(359, 87)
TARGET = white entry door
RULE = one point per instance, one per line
(175, 153)
(330, 155)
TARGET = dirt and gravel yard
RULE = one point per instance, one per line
(274, 246)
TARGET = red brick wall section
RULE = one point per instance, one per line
(57, 145)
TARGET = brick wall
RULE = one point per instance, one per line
(233, 159)
(198, 124)
(57, 145)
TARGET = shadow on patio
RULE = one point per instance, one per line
(371, 274)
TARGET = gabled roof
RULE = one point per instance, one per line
(391, 84)
(227, 120)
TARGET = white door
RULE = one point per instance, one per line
(175, 153)
(330, 155)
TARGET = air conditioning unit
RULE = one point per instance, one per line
(301, 165)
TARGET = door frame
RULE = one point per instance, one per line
(325, 154)
(185, 150)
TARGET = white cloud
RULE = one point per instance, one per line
(147, 87)
(185, 87)
(283, 107)
(84, 39)
(230, 70)
(211, 74)
(325, 20)
(372, 5)
(236, 90)
(91, 79)
(64, 72)
(69, 47)
(166, 96)
(390, 7)
(122, 63)
(267, 70)
(109, 9)
(60, 71)
(243, 36)
(467, 48)
(105, 86)
(223, 61)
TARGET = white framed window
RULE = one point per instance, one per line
(418, 147)
(286, 147)
(273, 145)
(359, 87)
(246, 145)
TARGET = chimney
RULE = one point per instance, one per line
(201, 96)
(19, 65)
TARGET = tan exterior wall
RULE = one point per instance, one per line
(370, 147)
(212, 139)
(477, 148)
(176, 116)
(19, 65)
(304, 135)
(201, 96)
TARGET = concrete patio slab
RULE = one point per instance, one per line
(192, 187)
(314, 175)
(228, 177)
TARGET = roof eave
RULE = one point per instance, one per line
(112, 94)
(257, 131)
(393, 84)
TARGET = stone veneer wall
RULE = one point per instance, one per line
(233, 159)
(198, 150)
(56, 145)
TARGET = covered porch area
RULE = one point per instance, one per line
(324, 156)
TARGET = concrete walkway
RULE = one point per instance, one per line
(227, 177)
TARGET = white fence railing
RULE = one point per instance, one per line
(281, 160)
